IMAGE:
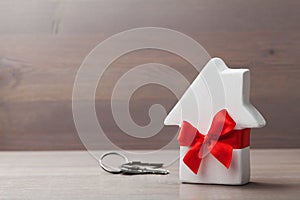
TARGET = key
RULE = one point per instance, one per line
(132, 167)
(137, 167)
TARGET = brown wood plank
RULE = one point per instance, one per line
(44, 43)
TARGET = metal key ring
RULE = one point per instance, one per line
(109, 168)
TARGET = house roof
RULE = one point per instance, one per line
(215, 88)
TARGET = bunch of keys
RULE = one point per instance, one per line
(132, 167)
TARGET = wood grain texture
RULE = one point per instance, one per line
(42, 44)
(75, 175)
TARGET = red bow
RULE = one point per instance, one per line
(220, 140)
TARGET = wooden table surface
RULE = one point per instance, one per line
(76, 175)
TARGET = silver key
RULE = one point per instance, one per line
(132, 167)
(137, 167)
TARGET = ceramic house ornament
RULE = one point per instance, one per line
(215, 118)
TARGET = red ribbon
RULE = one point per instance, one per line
(220, 140)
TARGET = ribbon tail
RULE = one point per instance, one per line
(193, 159)
(223, 153)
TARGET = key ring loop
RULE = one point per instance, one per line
(111, 169)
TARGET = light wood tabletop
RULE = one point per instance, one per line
(76, 175)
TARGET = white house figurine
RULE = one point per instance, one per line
(215, 116)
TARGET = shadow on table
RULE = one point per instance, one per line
(258, 189)
(269, 186)
(266, 185)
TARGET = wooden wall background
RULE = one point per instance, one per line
(42, 44)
